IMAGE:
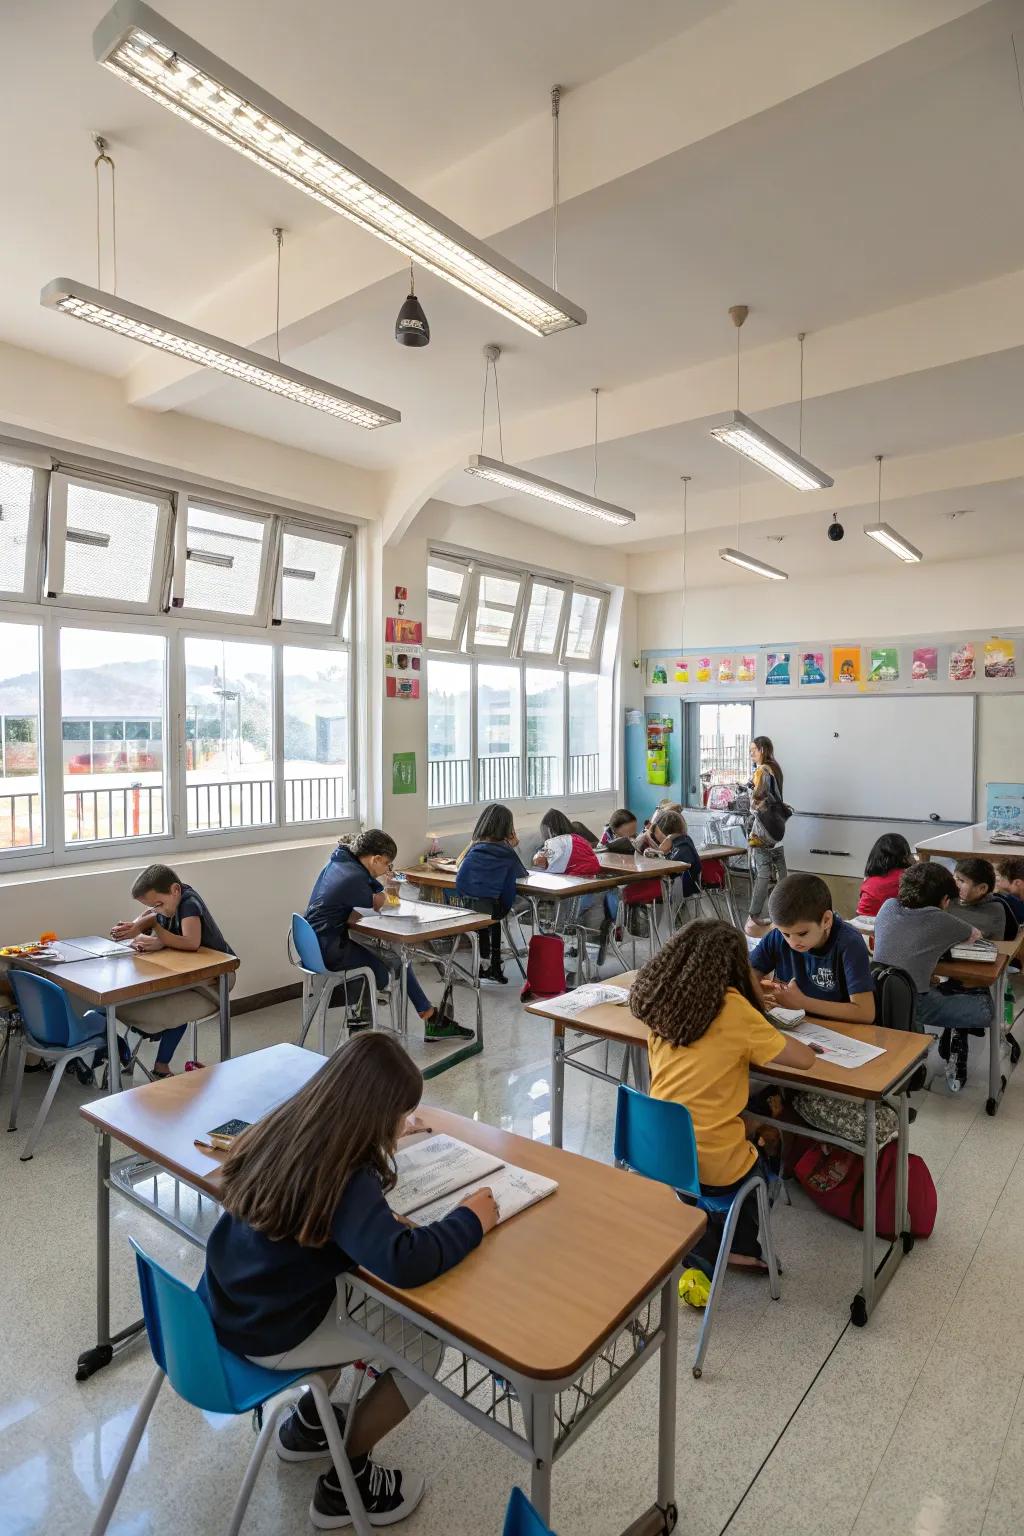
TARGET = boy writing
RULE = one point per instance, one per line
(818, 961)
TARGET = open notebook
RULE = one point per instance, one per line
(436, 1175)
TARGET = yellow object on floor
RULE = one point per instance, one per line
(694, 1287)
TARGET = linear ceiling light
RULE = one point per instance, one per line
(759, 568)
(886, 535)
(167, 65)
(546, 490)
(167, 335)
(762, 448)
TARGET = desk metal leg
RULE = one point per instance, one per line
(225, 1017)
(542, 1434)
(557, 1082)
(113, 1055)
(102, 1352)
(730, 900)
(864, 1301)
(667, 1380)
(996, 1080)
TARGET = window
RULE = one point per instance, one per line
(113, 787)
(19, 522)
(586, 626)
(590, 733)
(107, 546)
(499, 726)
(542, 630)
(224, 557)
(449, 733)
(317, 707)
(312, 578)
(497, 604)
(21, 800)
(545, 732)
(229, 764)
(718, 746)
(447, 590)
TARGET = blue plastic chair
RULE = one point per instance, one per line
(318, 983)
(50, 1028)
(214, 1379)
(655, 1137)
(521, 1519)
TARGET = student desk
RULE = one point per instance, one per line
(548, 1319)
(103, 981)
(990, 974)
(972, 842)
(404, 935)
(885, 1077)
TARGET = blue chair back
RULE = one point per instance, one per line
(307, 945)
(655, 1137)
(45, 1010)
(521, 1519)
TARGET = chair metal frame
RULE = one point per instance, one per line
(58, 1055)
(318, 988)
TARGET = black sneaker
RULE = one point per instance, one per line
(494, 972)
(944, 1043)
(300, 1437)
(961, 1048)
(443, 1027)
(387, 1495)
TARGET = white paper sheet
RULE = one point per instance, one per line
(838, 1050)
(589, 996)
(514, 1190)
(437, 1167)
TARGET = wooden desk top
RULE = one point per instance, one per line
(609, 1021)
(124, 978)
(407, 930)
(979, 973)
(722, 851)
(537, 882)
(541, 1291)
(972, 842)
(634, 866)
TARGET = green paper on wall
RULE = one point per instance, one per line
(403, 773)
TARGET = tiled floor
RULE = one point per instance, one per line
(913, 1426)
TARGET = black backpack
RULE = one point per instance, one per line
(895, 998)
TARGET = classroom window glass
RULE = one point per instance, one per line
(311, 576)
(223, 560)
(317, 784)
(540, 632)
(590, 733)
(446, 593)
(110, 544)
(496, 607)
(720, 733)
(583, 633)
(113, 786)
(545, 732)
(229, 733)
(499, 733)
(449, 733)
(16, 488)
(21, 795)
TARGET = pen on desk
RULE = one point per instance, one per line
(207, 1146)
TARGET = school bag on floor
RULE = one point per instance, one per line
(545, 967)
(834, 1180)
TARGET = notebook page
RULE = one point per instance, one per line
(514, 1190)
(437, 1167)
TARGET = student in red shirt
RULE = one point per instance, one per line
(887, 860)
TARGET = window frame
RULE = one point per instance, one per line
(480, 648)
(554, 656)
(464, 568)
(34, 536)
(691, 745)
(61, 479)
(342, 592)
(592, 663)
(270, 561)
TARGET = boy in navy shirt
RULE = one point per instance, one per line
(819, 962)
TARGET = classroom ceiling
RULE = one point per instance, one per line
(858, 183)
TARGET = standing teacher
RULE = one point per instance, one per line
(766, 830)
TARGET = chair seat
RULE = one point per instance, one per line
(250, 1385)
(51, 1052)
(153, 1014)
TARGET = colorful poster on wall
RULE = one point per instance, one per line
(403, 632)
(1004, 809)
(726, 670)
(885, 665)
(681, 670)
(777, 669)
(704, 669)
(403, 773)
(846, 664)
(1000, 658)
(961, 663)
(812, 668)
(925, 665)
(657, 672)
(746, 670)
(402, 687)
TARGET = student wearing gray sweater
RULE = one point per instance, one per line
(912, 931)
(978, 902)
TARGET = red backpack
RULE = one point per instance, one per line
(545, 967)
(834, 1180)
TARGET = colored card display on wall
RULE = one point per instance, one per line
(403, 687)
(925, 665)
(403, 631)
(846, 664)
(403, 773)
(681, 670)
(657, 673)
(885, 666)
(812, 669)
(961, 663)
(1000, 658)
(777, 669)
(703, 669)
(746, 669)
(726, 670)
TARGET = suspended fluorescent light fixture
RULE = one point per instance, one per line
(112, 313)
(886, 535)
(749, 563)
(746, 437)
(167, 65)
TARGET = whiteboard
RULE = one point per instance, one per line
(900, 757)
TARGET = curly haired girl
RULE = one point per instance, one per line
(705, 1013)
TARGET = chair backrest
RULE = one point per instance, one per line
(306, 945)
(44, 1008)
(896, 997)
(655, 1137)
(521, 1519)
(181, 1337)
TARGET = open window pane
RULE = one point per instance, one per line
(541, 630)
(723, 734)
(446, 580)
(499, 770)
(449, 726)
(545, 732)
(316, 735)
(110, 543)
(113, 781)
(16, 486)
(311, 571)
(229, 764)
(441, 618)
(584, 623)
(497, 599)
(590, 733)
(224, 560)
(446, 590)
(21, 805)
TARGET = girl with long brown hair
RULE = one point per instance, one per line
(303, 1192)
(707, 1027)
(766, 854)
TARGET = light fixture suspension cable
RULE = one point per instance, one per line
(800, 339)
(491, 355)
(102, 158)
(682, 624)
(595, 392)
(878, 460)
(279, 237)
(556, 101)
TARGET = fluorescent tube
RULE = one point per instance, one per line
(746, 437)
(514, 479)
(894, 542)
(759, 568)
(87, 536)
(167, 335)
(169, 66)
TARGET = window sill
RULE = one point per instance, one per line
(110, 865)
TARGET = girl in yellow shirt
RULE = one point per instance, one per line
(705, 1014)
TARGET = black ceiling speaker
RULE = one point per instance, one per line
(836, 531)
(412, 329)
